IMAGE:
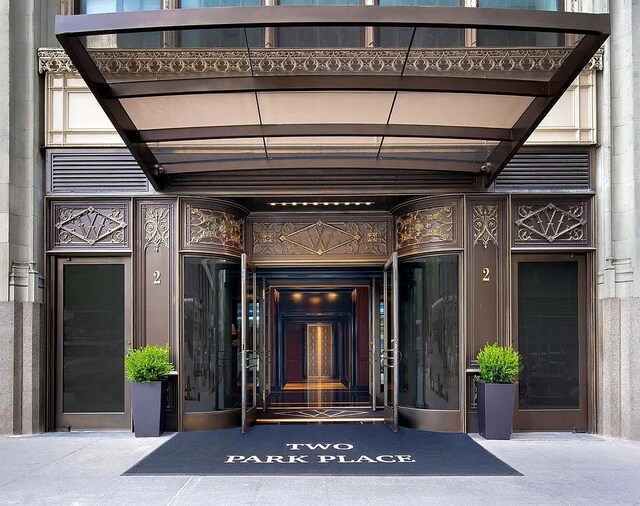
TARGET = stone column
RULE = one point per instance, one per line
(618, 180)
(22, 347)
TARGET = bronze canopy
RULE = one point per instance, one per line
(202, 94)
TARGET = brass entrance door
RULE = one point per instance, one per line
(389, 355)
(319, 351)
(250, 343)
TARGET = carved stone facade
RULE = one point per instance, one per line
(430, 226)
(485, 225)
(95, 225)
(323, 239)
(551, 223)
(212, 227)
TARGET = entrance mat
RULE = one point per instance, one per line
(365, 450)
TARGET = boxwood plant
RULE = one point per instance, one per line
(150, 363)
(498, 364)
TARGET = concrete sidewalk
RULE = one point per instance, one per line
(85, 468)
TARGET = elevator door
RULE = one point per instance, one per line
(320, 351)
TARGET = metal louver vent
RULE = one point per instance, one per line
(94, 171)
(306, 182)
(564, 169)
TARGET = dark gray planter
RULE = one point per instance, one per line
(496, 404)
(148, 402)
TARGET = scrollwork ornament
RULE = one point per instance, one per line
(156, 227)
(485, 225)
(207, 226)
(426, 226)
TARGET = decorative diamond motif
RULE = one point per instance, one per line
(91, 225)
(322, 413)
(320, 238)
(551, 222)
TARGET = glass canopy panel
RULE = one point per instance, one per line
(532, 5)
(325, 107)
(391, 36)
(216, 39)
(203, 151)
(319, 147)
(181, 111)
(436, 149)
(318, 36)
(460, 109)
(524, 38)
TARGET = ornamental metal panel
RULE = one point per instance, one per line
(552, 223)
(90, 225)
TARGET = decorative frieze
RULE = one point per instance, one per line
(551, 223)
(324, 238)
(485, 225)
(427, 226)
(207, 226)
(316, 61)
(90, 225)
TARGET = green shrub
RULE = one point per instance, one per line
(498, 364)
(150, 363)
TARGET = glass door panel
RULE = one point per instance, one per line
(249, 344)
(550, 333)
(92, 334)
(389, 355)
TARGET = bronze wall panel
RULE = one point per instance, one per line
(487, 274)
(428, 225)
(320, 238)
(552, 222)
(212, 226)
(155, 272)
(487, 280)
(91, 225)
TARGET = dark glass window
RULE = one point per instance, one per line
(211, 332)
(98, 6)
(429, 333)
(508, 38)
(125, 40)
(93, 335)
(425, 37)
(224, 37)
(320, 36)
(548, 335)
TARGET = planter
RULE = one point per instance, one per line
(148, 402)
(496, 405)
